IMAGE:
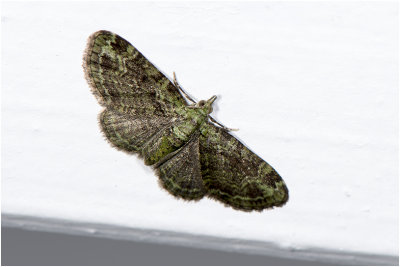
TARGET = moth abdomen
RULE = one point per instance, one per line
(167, 140)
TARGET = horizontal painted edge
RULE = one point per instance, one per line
(194, 241)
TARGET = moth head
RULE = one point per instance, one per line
(206, 105)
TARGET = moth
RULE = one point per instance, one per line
(148, 115)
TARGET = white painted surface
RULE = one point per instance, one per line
(312, 86)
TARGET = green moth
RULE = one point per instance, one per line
(148, 115)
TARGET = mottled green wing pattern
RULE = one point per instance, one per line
(139, 99)
(235, 175)
(146, 114)
(122, 78)
(180, 173)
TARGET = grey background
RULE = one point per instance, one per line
(30, 240)
(25, 247)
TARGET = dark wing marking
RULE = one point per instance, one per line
(235, 175)
(122, 78)
(180, 174)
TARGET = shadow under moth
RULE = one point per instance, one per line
(147, 114)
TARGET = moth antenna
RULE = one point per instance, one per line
(181, 89)
(222, 126)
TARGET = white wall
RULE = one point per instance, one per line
(313, 87)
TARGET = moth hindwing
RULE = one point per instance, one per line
(146, 114)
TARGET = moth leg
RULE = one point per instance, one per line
(181, 89)
(180, 174)
(225, 128)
